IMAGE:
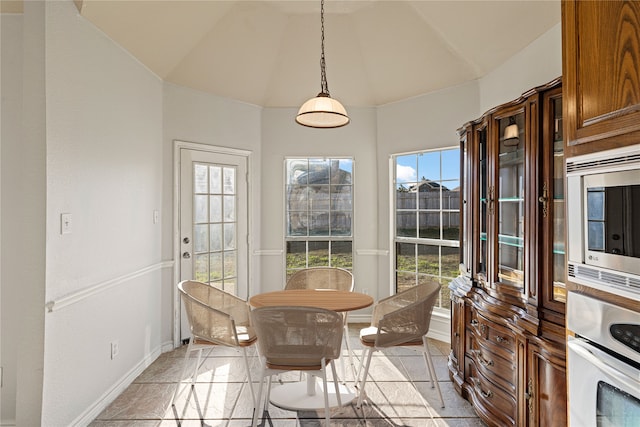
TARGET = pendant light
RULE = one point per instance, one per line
(511, 134)
(322, 111)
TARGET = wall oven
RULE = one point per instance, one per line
(603, 363)
(603, 234)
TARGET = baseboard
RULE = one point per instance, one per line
(110, 395)
(8, 423)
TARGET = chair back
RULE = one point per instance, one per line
(215, 315)
(321, 278)
(406, 316)
(297, 336)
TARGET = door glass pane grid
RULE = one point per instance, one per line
(510, 203)
(215, 225)
(319, 206)
(427, 209)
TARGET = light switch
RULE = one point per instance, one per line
(66, 223)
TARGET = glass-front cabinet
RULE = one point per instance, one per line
(508, 194)
(508, 324)
(501, 149)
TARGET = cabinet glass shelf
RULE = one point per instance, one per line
(504, 239)
(512, 275)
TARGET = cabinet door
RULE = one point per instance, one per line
(546, 389)
(601, 66)
(465, 223)
(482, 203)
(507, 194)
(551, 206)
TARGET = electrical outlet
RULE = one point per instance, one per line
(115, 349)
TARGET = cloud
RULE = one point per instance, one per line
(405, 173)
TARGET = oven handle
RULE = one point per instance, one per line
(600, 360)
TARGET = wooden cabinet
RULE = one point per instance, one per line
(601, 74)
(508, 334)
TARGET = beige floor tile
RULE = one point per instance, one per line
(222, 398)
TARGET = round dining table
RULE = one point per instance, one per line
(302, 396)
(329, 299)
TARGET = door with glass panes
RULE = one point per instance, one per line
(213, 222)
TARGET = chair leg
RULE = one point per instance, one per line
(185, 364)
(248, 368)
(257, 407)
(195, 370)
(335, 383)
(350, 354)
(364, 376)
(431, 369)
(327, 413)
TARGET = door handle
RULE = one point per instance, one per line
(186, 255)
(185, 240)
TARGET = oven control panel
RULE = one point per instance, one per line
(627, 334)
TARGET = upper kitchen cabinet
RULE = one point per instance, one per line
(601, 74)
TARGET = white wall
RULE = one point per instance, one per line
(421, 123)
(535, 65)
(104, 166)
(10, 143)
(23, 220)
(195, 116)
(282, 137)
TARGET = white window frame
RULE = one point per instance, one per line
(329, 238)
(393, 239)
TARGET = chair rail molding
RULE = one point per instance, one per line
(75, 297)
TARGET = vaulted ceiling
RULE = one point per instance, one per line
(268, 52)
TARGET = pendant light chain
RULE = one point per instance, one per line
(322, 111)
(324, 86)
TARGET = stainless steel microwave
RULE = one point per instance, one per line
(603, 220)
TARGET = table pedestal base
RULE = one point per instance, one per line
(297, 397)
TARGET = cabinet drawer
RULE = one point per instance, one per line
(499, 339)
(490, 397)
(502, 371)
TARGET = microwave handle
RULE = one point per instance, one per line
(600, 361)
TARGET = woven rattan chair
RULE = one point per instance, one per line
(321, 278)
(297, 339)
(327, 278)
(215, 317)
(401, 320)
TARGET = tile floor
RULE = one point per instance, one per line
(222, 399)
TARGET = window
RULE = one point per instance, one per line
(427, 219)
(319, 207)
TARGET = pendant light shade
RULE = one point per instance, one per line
(511, 137)
(322, 111)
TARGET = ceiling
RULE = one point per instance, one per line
(267, 52)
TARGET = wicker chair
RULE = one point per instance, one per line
(401, 320)
(327, 278)
(297, 339)
(215, 317)
(321, 278)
